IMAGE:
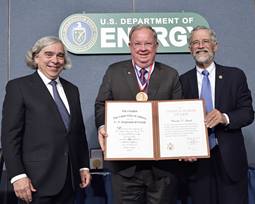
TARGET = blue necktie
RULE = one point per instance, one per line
(61, 106)
(206, 94)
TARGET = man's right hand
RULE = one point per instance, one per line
(101, 137)
(23, 189)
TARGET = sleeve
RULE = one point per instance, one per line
(83, 144)
(13, 117)
(242, 114)
(177, 88)
(104, 93)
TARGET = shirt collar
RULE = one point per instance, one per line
(210, 69)
(147, 68)
(45, 79)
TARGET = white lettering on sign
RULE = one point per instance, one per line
(149, 21)
(118, 37)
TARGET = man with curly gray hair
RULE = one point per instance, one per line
(43, 134)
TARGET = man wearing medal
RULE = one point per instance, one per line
(141, 79)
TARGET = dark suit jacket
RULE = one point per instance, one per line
(232, 97)
(120, 83)
(34, 138)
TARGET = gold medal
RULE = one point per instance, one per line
(141, 96)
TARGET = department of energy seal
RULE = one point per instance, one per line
(78, 33)
(170, 146)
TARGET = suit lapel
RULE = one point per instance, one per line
(40, 87)
(193, 84)
(45, 95)
(130, 76)
(219, 84)
(70, 98)
(154, 82)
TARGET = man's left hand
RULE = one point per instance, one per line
(214, 118)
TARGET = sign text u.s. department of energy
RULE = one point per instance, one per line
(107, 33)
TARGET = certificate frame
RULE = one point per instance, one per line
(155, 130)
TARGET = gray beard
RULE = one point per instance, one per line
(203, 60)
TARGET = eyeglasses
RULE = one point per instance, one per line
(141, 45)
(197, 43)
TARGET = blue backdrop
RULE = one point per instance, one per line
(22, 22)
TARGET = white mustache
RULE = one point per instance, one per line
(201, 50)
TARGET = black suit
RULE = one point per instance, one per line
(120, 83)
(232, 97)
(34, 138)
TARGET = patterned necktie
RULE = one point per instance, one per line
(61, 106)
(142, 76)
(206, 94)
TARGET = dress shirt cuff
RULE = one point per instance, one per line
(101, 126)
(227, 118)
(87, 169)
(20, 176)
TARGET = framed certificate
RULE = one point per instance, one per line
(155, 130)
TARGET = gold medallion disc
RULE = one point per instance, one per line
(141, 96)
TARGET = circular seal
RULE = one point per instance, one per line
(78, 33)
(170, 146)
(141, 96)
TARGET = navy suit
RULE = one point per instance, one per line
(34, 138)
(232, 97)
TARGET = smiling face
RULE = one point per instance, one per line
(202, 47)
(143, 47)
(50, 60)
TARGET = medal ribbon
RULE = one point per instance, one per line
(145, 86)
